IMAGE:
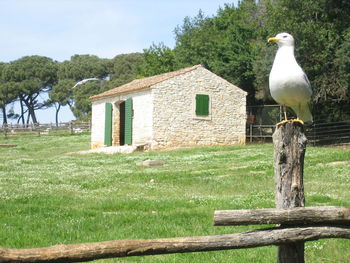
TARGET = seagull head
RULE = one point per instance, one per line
(282, 39)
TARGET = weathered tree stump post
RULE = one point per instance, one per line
(289, 150)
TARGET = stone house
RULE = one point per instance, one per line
(187, 107)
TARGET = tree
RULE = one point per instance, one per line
(125, 68)
(343, 64)
(158, 59)
(6, 94)
(29, 76)
(318, 28)
(82, 105)
(81, 67)
(222, 43)
(61, 94)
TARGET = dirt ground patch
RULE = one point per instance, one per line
(333, 163)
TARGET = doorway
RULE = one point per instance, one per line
(122, 123)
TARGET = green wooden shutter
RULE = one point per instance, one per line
(128, 121)
(108, 124)
(202, 104)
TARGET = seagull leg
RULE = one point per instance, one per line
(298, 121)
(285, 113)
(285, 117)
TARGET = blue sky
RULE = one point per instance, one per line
(61, 28)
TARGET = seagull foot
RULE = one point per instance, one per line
(298, 121)
(282, 123)
(288, 121)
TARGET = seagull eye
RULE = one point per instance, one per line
(285, 36)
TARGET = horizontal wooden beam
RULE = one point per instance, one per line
(125, 248)
(298, 215)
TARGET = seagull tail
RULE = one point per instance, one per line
(303, 113)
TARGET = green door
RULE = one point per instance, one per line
(108, 124)
(128, 121)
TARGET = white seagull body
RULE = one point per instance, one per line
(289, 85)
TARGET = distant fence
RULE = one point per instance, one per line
(317, 134)
(262, 119)
(42, 129)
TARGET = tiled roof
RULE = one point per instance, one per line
(144, 83)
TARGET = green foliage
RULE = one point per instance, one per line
(319, 29)
(81, 67)
(7, 94)
(41, 70)
(82, 105)
(343, 63)
(125, 68)
(28, 77)
(157, 59)
(62, 92)
(316, 41)
(224, 43)
(119, 70)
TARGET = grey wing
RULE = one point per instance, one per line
(308, 82)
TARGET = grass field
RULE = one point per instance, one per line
(50, 195)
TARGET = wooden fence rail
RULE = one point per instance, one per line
(126, 248)
(294, 216)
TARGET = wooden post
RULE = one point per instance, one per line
(5, 130)
(289, 150)
(250, 132)
(71, 128)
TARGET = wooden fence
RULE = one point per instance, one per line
(14, 130)
(297, 224)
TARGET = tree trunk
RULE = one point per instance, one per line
(30, 104)
(289, 146)
(32, 113)
(22, 112)
(4, 115)
(57, 111)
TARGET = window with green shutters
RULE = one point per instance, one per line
(202, 104)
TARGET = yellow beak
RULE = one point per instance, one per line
(272, 39)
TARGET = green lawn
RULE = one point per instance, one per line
(50, 195)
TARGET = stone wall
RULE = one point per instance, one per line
(175, 122)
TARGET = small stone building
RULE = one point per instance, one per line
(188, 107)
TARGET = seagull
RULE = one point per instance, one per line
(84, 81)
(289, 85)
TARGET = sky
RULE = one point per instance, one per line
(61, 28)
